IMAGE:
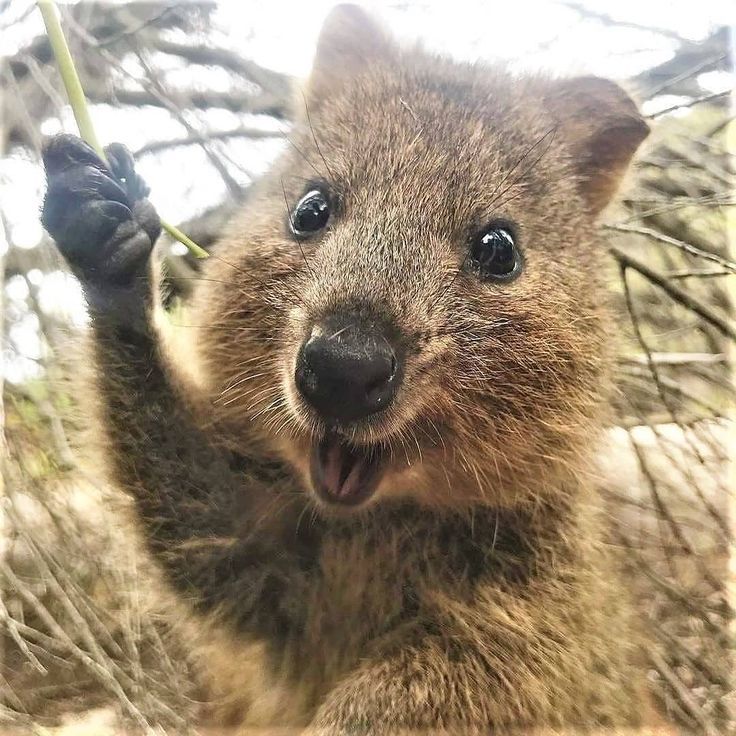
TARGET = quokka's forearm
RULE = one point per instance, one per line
(104, 226)
(194, 498)
(158, 448)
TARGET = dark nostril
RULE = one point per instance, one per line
(378, 394)
(349, 373)
(378, 382)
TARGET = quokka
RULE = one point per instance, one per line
(374, 506)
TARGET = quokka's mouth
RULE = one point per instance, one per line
(344, 475)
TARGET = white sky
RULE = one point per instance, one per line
(533, 34)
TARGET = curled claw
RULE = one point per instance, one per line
(122, 164)
(96, 210)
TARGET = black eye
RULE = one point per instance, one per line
(494, 253)
(310, 214)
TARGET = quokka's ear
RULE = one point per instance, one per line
(350, 41)
(604, 128)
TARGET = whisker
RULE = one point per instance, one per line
(302, 154)
(200, 278)
(240, 381)
(252, 276)
(551, 132)
(314, 138)
(298, 242)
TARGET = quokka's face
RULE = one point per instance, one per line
(415, 306)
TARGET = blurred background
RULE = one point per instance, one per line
(201, 92)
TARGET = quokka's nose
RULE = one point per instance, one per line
(347, 371)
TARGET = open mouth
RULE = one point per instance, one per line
(345, 475)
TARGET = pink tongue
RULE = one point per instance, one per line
(341, 471)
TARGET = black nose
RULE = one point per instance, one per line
(347, 369)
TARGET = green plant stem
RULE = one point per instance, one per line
(177, 234)
(69, 74)
(78, 103)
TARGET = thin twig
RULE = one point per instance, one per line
(690, 103)
(679, 244)
(676, 293)
(686, 699)
(207, 135)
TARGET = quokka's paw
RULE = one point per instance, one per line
(97, 211)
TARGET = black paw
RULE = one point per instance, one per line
(97, 212)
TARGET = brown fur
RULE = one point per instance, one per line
(475, 591)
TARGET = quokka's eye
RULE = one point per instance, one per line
(494, 253)
(310, 214)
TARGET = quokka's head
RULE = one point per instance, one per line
(411, 302)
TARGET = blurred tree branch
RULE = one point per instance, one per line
(110, 28)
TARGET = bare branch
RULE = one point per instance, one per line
(587, 12)
(727, 264)
(691, 103)
(207, 135)
(676, 293)
(269, 81)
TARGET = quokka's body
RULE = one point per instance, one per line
(375, 507)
